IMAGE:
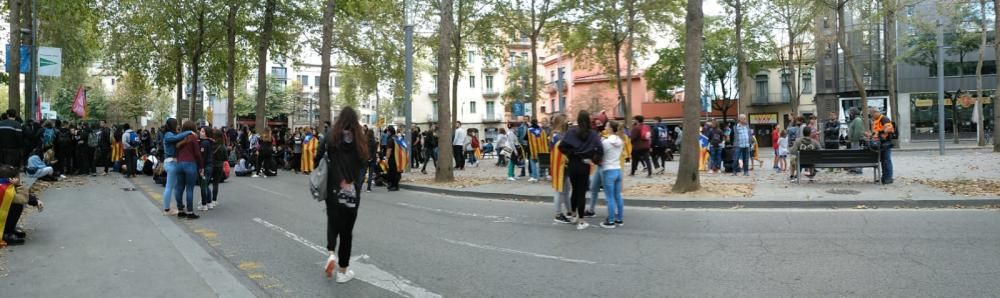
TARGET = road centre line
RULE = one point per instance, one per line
(495, 218)
(365, 272)
(517, 252)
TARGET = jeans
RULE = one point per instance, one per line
(206, 190)
(130, 162)
(738, 155)
(613, 193)
(561, 199)
(533, 167)
(39, 173)
(187, 174)
(715, 158)
(368, 173)
(886, 164)
(171, 188)
(472, 156)
(595, 187)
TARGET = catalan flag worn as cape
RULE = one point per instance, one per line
(6, 197)
(557, 165)
(401, 152)
(537, 142)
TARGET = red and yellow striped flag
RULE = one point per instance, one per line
(6, 197)
(557, 165)
(401, 155)
(538, 142)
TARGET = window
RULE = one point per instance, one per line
(552, 76)
(490, 110)
(807, 83)
(489, 82)
(435, 86)
(472, 57)
(543, 110)
(316, 78)
(472, 81)
(280, 74)
(336, 81)
(760, 94)
(472, 107)
(304, 80)
(952, 69)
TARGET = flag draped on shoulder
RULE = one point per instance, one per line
(401, 152)
(557, 165)
(538, 142)
(6, 198)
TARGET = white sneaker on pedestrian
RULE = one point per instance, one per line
(511, 179)
(343, 277)
(62, 176)
(582, 225)
(211, 205)
(533, 180)
(331, 264)
(254, 176)
(203, 208)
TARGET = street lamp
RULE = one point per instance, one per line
(408, 11)
(559, 80)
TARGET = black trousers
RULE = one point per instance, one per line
(130, 160)
(65, 157)
(579, 178)
(103, 158)
(13, 215)
(340, 225)
(431, 155)
(459, 152)
(296, 160)
(641, 155)
(84, 160)
(393, 177)
(415, 157)
(659, 156)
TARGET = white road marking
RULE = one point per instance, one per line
(267, 190)
(518, 252)
(494, 218)
(365, 272)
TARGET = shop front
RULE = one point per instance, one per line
(958, 109)
(762, 124)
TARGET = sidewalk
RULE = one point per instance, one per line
(922, 180)
(96, 240)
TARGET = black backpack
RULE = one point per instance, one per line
(63, 137)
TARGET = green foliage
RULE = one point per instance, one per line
(961, 36)
(719, 54)
(279, 99)
(62, 100)
(667, 73)
(518, 85)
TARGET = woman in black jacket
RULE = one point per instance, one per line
(346, 150)
(582, 146)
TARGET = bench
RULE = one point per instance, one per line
(851, 158)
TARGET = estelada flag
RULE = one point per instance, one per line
(401, 152)
(6, 197)
(557, 165)
(80, 103)
(538, 142)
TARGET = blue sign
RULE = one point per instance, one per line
(706, 104)
(25, 58)
(518, 109)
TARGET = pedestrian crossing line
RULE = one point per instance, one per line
(368, 273)
(517, 252)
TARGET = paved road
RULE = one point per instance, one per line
(425, 245)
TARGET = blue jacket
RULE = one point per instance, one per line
(35, 163)
(170, 140)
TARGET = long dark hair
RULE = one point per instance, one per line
(172, 125)
(582, 124)
(348, 120)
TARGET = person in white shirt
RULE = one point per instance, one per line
(783, 152)
(457, 145)
(611, 171)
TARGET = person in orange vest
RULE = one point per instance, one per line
(882, 130)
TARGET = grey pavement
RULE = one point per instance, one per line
(96, 240)
(415, 244)
(769, 189)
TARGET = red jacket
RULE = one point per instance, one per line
(641, 137)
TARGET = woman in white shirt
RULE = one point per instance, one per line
(611, 165)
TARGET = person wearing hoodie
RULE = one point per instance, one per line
(582, 147)
(611, 165)
(131, 143)
(802, 144)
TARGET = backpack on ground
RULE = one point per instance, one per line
(133, 140)
(93, 140)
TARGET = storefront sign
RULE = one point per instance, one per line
(923, 103)
(763, 118)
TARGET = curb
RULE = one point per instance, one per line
(682, 204)
(935, 149)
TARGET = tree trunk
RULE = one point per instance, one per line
(996, 102)
(792, 73)
(618, 75)
(457, 71)
(627, 104)
(265, 43)
(534, 76)
(444, 171)
(980, 140)
(196, 66)
(26, 23)
(324, 73)
(890, 57)
(179, 79)
(14, 65)
(687, 172)
(231, 63)
(849, 58)
(742, 77)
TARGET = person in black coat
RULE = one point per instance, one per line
(582, 146)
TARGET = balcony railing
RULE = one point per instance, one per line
(772, 98)
(490, 93)
(491, 117)
(490, 68)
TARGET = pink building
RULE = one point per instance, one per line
(586, 87)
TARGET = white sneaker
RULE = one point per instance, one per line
(511, 179)
(62, 176)
(343, 277)
(582, 225)
(331, 264)
(211, 205)
(254, 176)
(203, 208)
(533, 180)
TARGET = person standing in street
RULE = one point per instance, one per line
(391, 156)
(103, 154)
(296, 143)
(309, 148)
(882, 130)
(661, 137)
(64, 148)
(416, 147)
(219, 154)
(611, 166)
(346, 147)
(189, 165)
(775, 137)
(741, 146)
(506, 144)
(11, 140)
(84, 156)
(582, 147)
(458, 146)
(205, 146)
(716, 143)
(538, 144)
(855, 135)
(641, 138)
(172, 136)
(430, 149)
(831, 132)
(560, 181)
(131, 142)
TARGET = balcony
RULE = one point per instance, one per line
(490, 93)
(433, 93)
(491, 117)
(552, 87)
(772, 98)
(490, 68)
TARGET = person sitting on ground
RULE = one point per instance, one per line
(803, 144)
(38, 169)
(12, 201)
(242, 169)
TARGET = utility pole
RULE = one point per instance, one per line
(408, 75)
(940, 78)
